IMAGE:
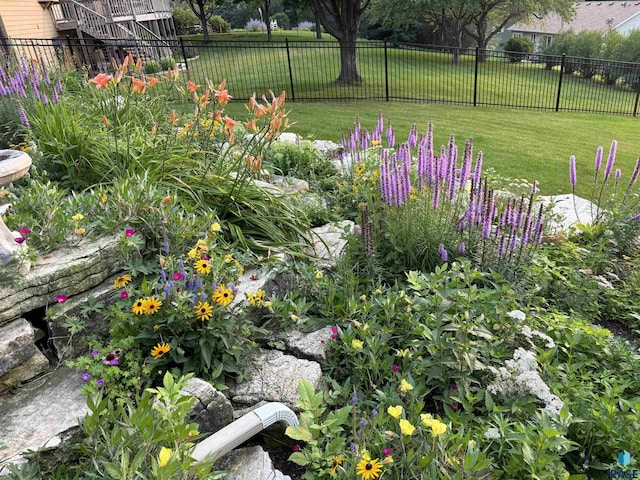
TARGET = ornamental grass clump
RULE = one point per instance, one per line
(425, 207)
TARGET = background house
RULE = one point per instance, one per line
(602, 16)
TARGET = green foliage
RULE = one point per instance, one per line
(185, 20)
(167, 63)
(518, 47)
(219, 24)
(299, 160)
(150, 67)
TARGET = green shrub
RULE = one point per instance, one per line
(301, 161)
(219, 24)
(167, 63)
(151, 67)
(518, 47)
(185, 21)
(282, 19)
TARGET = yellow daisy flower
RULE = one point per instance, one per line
(193, 253)
(138, 307)
(151, 305)
(256, 299)
(160, 349)
(204, 311)
(335, 464)
(203, 267)
(121, 281)
(369, 469)
(223, 295)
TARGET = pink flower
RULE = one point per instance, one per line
(454, 405)
(296, 448)
(129, 232)
(253, 278)
(61, 298)
(386, 452)
(24, 230)
(322, 342)
(177, 276)
(454, 386)
(124, 294)
(19, 240)
(395, 368)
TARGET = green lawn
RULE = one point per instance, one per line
(427, 76)
(535, 145)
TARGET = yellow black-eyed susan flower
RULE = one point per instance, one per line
(138, 307)
(369, 469)
(121, 281)
(202, 267)
(151, 305)
(223, 295)
(203, 310)
(160, 349)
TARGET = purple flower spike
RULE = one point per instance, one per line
(462, 248)
(444, 256)
(572, 170)
(610, 160)
(634, 175)
(598, 159)
(618, 173)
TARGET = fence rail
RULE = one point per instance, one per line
(308, 70)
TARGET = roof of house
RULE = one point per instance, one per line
(589, 16)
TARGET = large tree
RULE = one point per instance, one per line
(264, 6)
(203, 9)
(341, 20)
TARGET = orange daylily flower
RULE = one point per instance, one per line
(151, 81)
(172, 117)
(222, 94)
(218, 116)
(101, 80)
(254, 163)
(252, 102)
(173, 74)
(252, 125)
(139, 86)
(229, 123)
(261, 110)
(139, 65)
(105, 120)
(192, 87)
(204, 98)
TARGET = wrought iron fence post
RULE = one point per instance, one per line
(184, 55)
(475, 79)
(293, 93)
(635, 104)
(564, 55)
(386, 72)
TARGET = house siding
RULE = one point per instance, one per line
(632, 23)
(27, 19)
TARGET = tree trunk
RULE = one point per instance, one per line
(318, 26)
(348, 61)
(267, 19)
(205, 28)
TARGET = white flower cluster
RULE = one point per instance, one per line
(492, 433)
(520, 377)
(529, 334)
(517, 315)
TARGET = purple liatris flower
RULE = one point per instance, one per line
(442, 251)
(637, 217)
(23, 116)
(572, 170)
(363, 423)
(618, 173)
(634, 175)
(462, 248)
(610, 160)
(598, 160)
(354, 399)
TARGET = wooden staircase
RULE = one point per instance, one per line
(115, 23)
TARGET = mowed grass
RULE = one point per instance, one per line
(535, 145)
(410, 74)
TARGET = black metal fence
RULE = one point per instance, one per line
(308, 71)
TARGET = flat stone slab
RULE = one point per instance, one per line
(31, 368)
(568, 210)
(251, 463)
(312, 346)
(329, 241)
(275, 377)
(16, 344)
(40, 412)
(67, 272)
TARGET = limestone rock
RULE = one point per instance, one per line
(329, 241)
(30, 418)
(312, 345)
(568, 210)
(275, 377)
(328, 148)
(212, 410)
(71, 347)
(251, 463)
(288, 137)
(33, 367)
(66, 272)
(16, 345)
(289, 185)
(250, 281)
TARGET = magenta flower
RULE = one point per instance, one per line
(129, 232)
(61, 298)
(95, 352)
(19, 240)
(111, 359)
(124, 294)
(296, 448)
(395, 368)
(100, 382)
(24, 230)
(386, 452)
(177, 276)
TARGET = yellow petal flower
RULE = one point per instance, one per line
(357, 344)
(77, 217)
(427, 419)
(405, 386)
(437, 428)
(396, 411)
(215, 228)
(164, 456)
(405, 427)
